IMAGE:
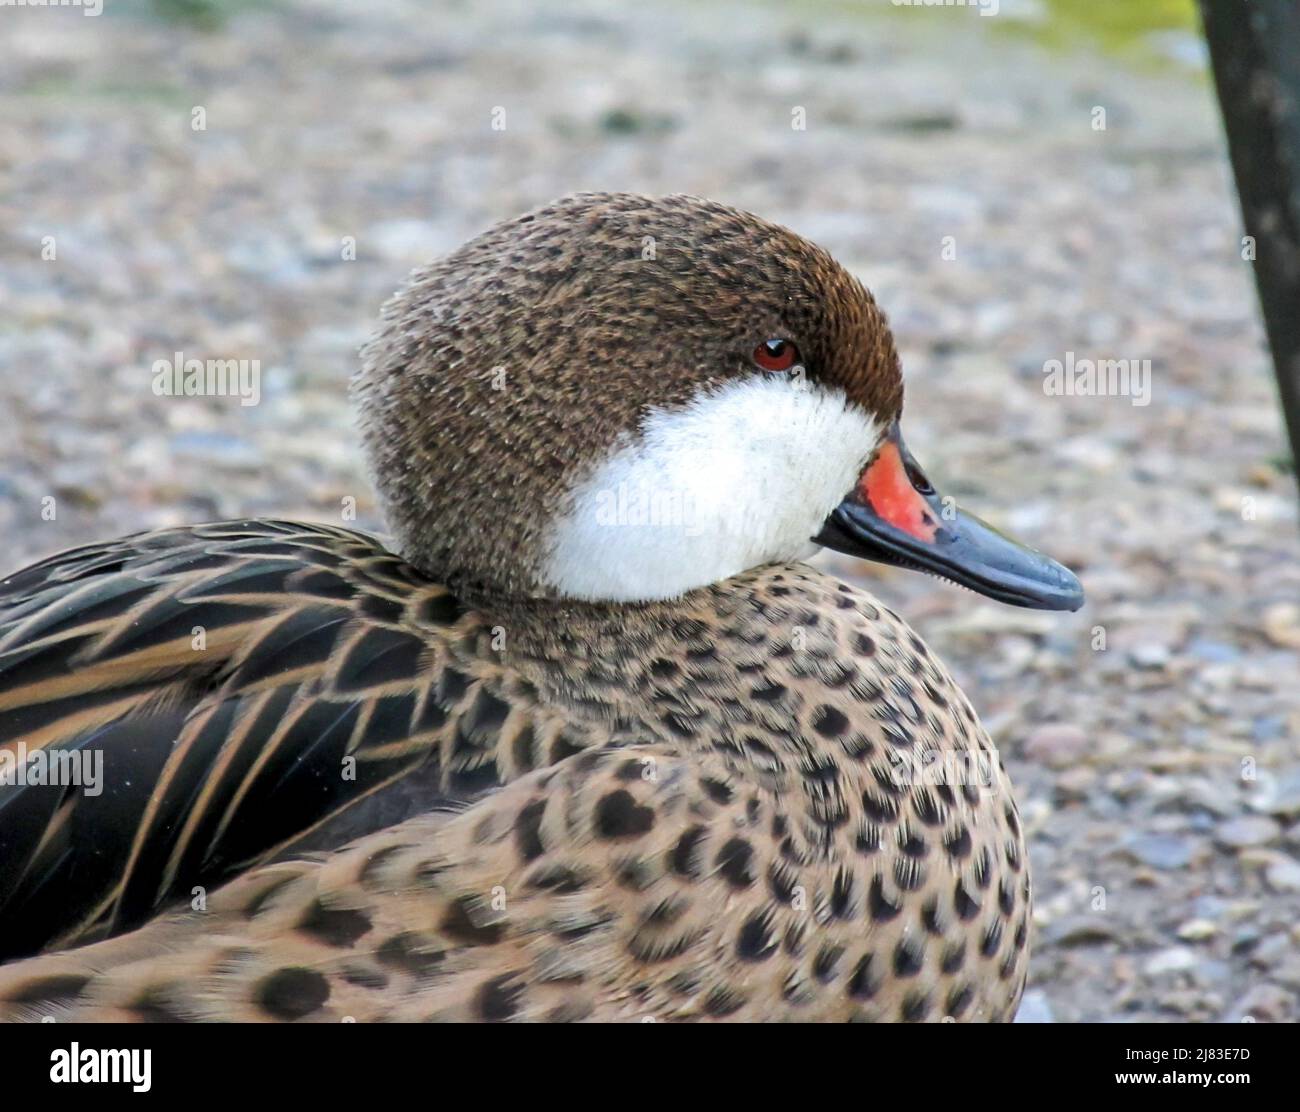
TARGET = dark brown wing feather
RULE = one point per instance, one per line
(250, 685)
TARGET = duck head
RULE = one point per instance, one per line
(622, 398)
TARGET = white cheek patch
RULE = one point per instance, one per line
(740, 477)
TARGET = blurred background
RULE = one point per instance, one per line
(956, 161)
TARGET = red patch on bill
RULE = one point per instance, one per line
(885, 487)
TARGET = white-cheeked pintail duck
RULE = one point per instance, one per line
(586, 740)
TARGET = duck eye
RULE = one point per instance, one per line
(776, 355)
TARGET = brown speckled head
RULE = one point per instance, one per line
(607, 340)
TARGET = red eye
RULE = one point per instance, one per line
(776, 355)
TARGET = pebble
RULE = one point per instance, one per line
(1203, 795)
(1149, 656)
(1215, 652)
(1197, 930)
(1081, 930)
(1246, 938)
(1281, 624)
(1249, 830)
(1268, 727)
(1263, 1003)
(1283, 875)
(1176, 959)
(1057, 745)
(217, 447)
(1286, 799)
(1271, 950)
(1161, 851)
(1076, 783)
(1035, 1008)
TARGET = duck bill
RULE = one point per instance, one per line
(894, 516)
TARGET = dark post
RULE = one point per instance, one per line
(1255, 52)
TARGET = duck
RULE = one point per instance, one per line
(586, 738)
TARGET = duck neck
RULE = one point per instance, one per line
(597, 658)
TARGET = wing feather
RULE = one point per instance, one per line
(245, 684)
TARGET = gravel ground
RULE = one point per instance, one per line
(1154, 737)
